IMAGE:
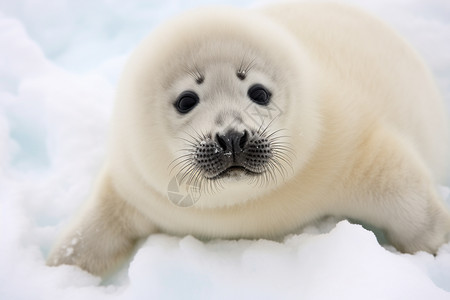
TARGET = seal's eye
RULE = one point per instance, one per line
(186, 101)
(259, 94)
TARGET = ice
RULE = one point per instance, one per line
(59, 65)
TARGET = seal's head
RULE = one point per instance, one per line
(222, 100)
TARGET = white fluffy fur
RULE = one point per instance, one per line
(360, 108)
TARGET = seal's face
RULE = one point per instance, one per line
(226, 123)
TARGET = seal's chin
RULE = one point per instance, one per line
(234, 172)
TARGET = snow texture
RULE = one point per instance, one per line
(59, 64)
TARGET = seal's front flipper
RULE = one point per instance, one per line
(102, 235)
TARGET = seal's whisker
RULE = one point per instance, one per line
(278, 138)
(283, 147)
(196, 139)
(186, 170)
(200, 137)
(272, 134)
(280, 168)
(185, 161)
(191, 143)
(188, 150)
(287, 161)
(283, 156)
(250, 65)
(267, 126)
(271, 171)
(240, 69)
(196, 176)
(181, 157)
(267, 176)
(281, 144)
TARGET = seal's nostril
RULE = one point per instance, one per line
(221, 141)
(243, 140)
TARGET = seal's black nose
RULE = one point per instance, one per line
(232, 141)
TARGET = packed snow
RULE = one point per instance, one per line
(59, 64)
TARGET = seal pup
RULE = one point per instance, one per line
(271, 118)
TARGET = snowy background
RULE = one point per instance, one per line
(59, 64)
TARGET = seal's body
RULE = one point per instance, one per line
(275, 117)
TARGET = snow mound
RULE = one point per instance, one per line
(346, 263)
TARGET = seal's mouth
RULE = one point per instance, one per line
(234, 172)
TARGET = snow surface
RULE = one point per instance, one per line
(59, 63)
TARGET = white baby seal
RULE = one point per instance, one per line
(236, 123)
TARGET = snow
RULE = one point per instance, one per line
(59, 64)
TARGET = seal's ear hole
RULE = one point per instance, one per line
(259, 94)
(186, 101)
